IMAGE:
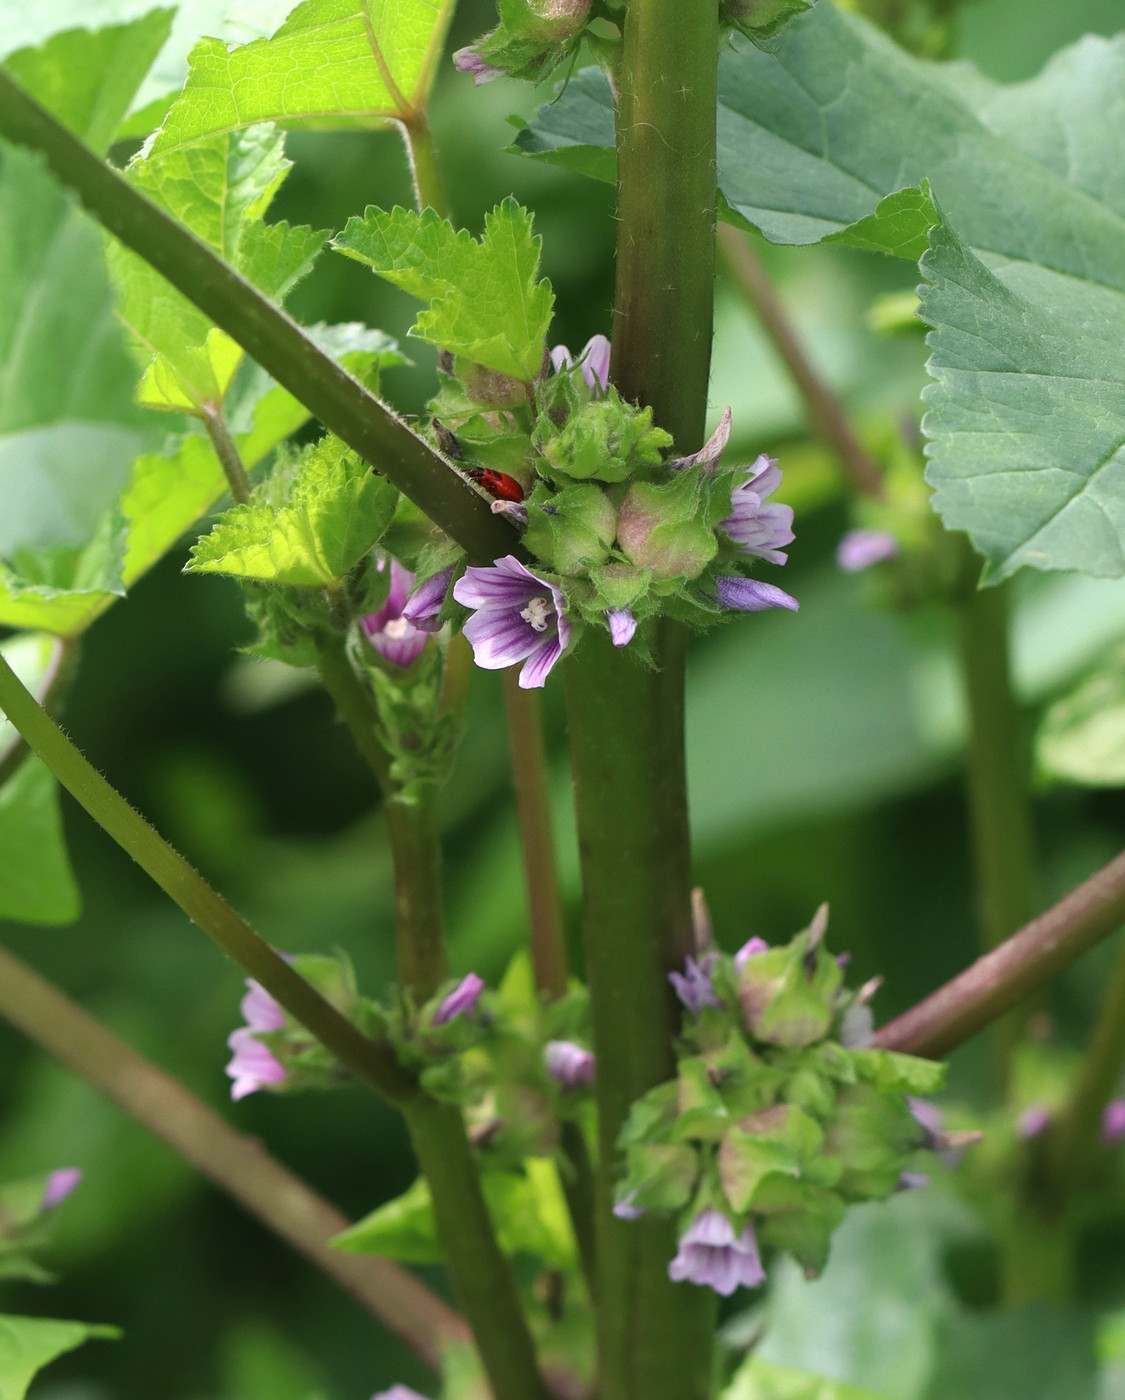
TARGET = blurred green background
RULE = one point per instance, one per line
(823, 753)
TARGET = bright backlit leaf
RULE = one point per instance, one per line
(1082, 735)
(27, 1344)
(36, 882)
(485, 299)
(758, 1379)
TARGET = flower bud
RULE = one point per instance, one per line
(659, 528)
(573, 531)
(603, 440)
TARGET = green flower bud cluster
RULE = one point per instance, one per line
(532, 39)
(772, 1120)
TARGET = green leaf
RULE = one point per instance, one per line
(758, 1379)
(332, 64)
(485, 300)
(1037, 1353)
(27, 1344)
(333, 510)
(220, 187)
(36, 882)
(1082, 736)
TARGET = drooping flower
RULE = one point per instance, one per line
(1033, 1121)
(467, 60)
(713, 1256)
(1113, 1122)
(693, 985)
(518, 617)
(859, 549)
(423, 607)
(253, 1065)
(461, 1001)
(757, 527)
(393, 635)
(593, 360)
(751, 595)
(750, 949)
(622, 624)
(60, 1183)
(569, 1063)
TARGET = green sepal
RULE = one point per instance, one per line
(619, 586)
(891, 1072)
(703, 1115)
(873, 1134)
(788, 995)
(605, 439)
(652, 1115)
(660, 1176)
(808, 1088)
(663, 526)
(572, 531)
(799, 1217)
(418, 732)
(760, 20)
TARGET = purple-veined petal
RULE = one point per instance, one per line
(500, 639)
(622, 624)
(399, 642)
(539, 664)
(423, 607)
(751, 595)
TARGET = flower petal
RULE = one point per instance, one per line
(751, 595)
(538, 665)
(500, 639)
(622, 624)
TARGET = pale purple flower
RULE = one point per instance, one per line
(393, 635)
(751, 595)
(756, 527)
(1113, 1122)
(927, 1115)
(461, 1001)
(467, 60)
(622, 624)
(1033, 1121)
(750, 949)
(912, 1181)
(712, 1255)
(60, 1183)
(569, 1063)
(259, 1010)
(518, 617)
(423, 607)
(625, 1209)
(398, 1392)
(253, 1066)
(693, 985)
(859, 549)
(593, 361)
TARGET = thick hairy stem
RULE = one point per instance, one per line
(226, 449)
(374, 1064)
(1002, 978)
(263, 330)
(482, 1277)
(237, 1164)
(416, 847)
(825, 412)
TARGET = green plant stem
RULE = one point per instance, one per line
(416, 848)
(428, 188)
(1002, 978)
(237, 1164)
(533, 805)
(825, 413)
(482, 1277)
(54, 684)
(226, 449)
(370, 1062)
(263, 330)
(355, 707)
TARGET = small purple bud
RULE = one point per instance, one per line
(1113, 1122)
(467, 60)
(711, 1255)
(461, 1001)
(60, 1184)
(749, 950)
(1033, 1121)
(398, 1392)
(593, 361)
(626, 1210)
(843, 959)
(514, 511)
(569, 1063)
(423, 607)
(693, 985)
(750, 595)
(859, 549)
(912, 1181)
(622, 624)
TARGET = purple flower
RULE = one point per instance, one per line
(1033, 1121)
(912, 1181)
(626, 1210)
(518, 617)
(253, 1065)
(711, 1255)
(750, 949)
(394, 636)
(259, 1010)
(569, 1063)
(398, 1392)
(749, 595)
(467, 60)
(859, 549)
(423, 607)
(60, 1183)
(693, 985)
(622, 624)
(461, 1000)
(1113, 1122)
(594, 362)
(757, 528)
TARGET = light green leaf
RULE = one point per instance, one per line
(1082, 735)
(333, 509)
(68, 426)
(36, 882)
(220, 187)
(485, 300)
(1037, 1353)
(758, 1379)
(332, 64)
(27, 1344)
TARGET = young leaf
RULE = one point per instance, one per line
(486, 302)
(333, 510)
(27, 1344)
(220, 188)
(36, 882)
(333, 63)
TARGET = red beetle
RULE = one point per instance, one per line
(498, 484)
